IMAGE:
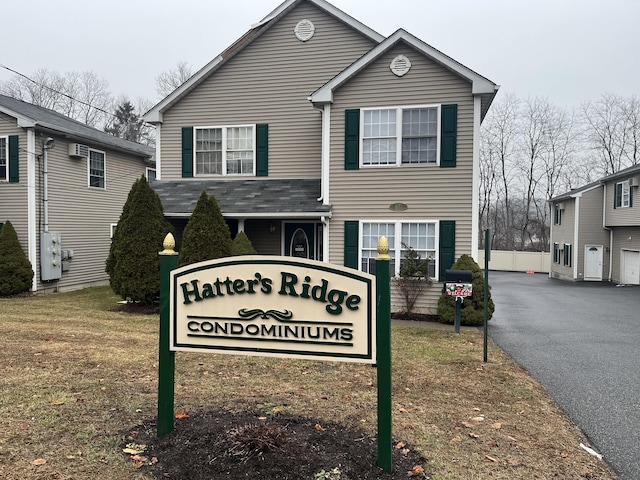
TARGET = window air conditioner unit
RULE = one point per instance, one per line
(78, 150)
(561, 206)
(633, 182)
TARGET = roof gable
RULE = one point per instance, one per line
(155, 114)
(479, 84)
(30, 116)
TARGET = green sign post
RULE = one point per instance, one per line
(384, 355)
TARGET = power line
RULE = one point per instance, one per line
(56, 91)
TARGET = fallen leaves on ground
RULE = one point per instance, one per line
(415, 471)
(38, 461)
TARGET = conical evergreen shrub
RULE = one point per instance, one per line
(206, 235)
(133, 264)
(16, 272)
(242, 245)
(472, 308)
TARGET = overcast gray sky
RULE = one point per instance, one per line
(569, 51)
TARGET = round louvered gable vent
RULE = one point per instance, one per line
(400, 65)
(304, 30)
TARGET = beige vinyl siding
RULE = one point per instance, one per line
(623, 239)
(83, 215)
(622, 216)
(563, 234)
(591, 231)
(269, 82)
(430, 192)
(13, 196)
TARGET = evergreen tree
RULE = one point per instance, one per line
(206, 235)
(472, 308)
(16, 272)
(133, 264)
(242, 245)
(127, 124)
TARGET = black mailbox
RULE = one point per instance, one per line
(458, 276)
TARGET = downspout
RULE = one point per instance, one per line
(576, 235)
(32, 227)
(48, 144)
(604, 222)
(552, 208)
(475, 182)
(325, 111)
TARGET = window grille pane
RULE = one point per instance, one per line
(96, 169)
(3, 158)
(419, 135)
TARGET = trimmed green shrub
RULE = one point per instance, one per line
(206, 235)
(133, 263)
(242, 245)
(472, 308)
(16, 272)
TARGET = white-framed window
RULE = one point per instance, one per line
(4, 159)
(150, 173)
(97, 168)
(556, 253)
(400, 135)
(112, 227)
(623, 194)
(421, 236)
(557, 214)
(225, 150)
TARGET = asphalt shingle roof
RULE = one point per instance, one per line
(252, 196)
(56, 122)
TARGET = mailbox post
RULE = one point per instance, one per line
(459, 284)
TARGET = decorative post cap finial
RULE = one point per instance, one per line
(169, 243)
(383, 249)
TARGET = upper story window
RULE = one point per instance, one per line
(150, 174)
(97, 169)
(400, 136)
(4, 159)
(557, 214)
(622, 196)
(225, 150)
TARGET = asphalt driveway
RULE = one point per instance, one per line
(582, 342)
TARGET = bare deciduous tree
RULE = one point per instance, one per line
(171, 79)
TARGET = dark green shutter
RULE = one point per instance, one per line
(352, 139)
(14, 164)
(616, 190)
(187, 152)
(262, 150)
(630, 196)
(447, 245)
(449, 135)
(351, 235)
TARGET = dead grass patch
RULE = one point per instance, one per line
(77, 378)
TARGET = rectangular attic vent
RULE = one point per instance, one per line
(78, 150)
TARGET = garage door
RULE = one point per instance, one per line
(630, 267)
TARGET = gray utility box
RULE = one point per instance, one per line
(50, 256)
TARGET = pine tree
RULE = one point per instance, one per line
(133, 264)
(242, 245)
(472, 308)
(16, 272)
(206, 235)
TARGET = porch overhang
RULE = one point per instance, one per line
(244, 199)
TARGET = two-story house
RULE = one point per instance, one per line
(317, 135)
(595, 233)
(62, 186)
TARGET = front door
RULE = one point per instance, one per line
(299, 240)
(593, 262)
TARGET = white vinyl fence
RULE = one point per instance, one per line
(502, 260)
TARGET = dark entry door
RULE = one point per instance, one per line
(299, 240)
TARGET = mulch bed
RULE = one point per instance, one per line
(236, 445)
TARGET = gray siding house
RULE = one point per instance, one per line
(317, 135)
(62, 186)
(595, 233)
